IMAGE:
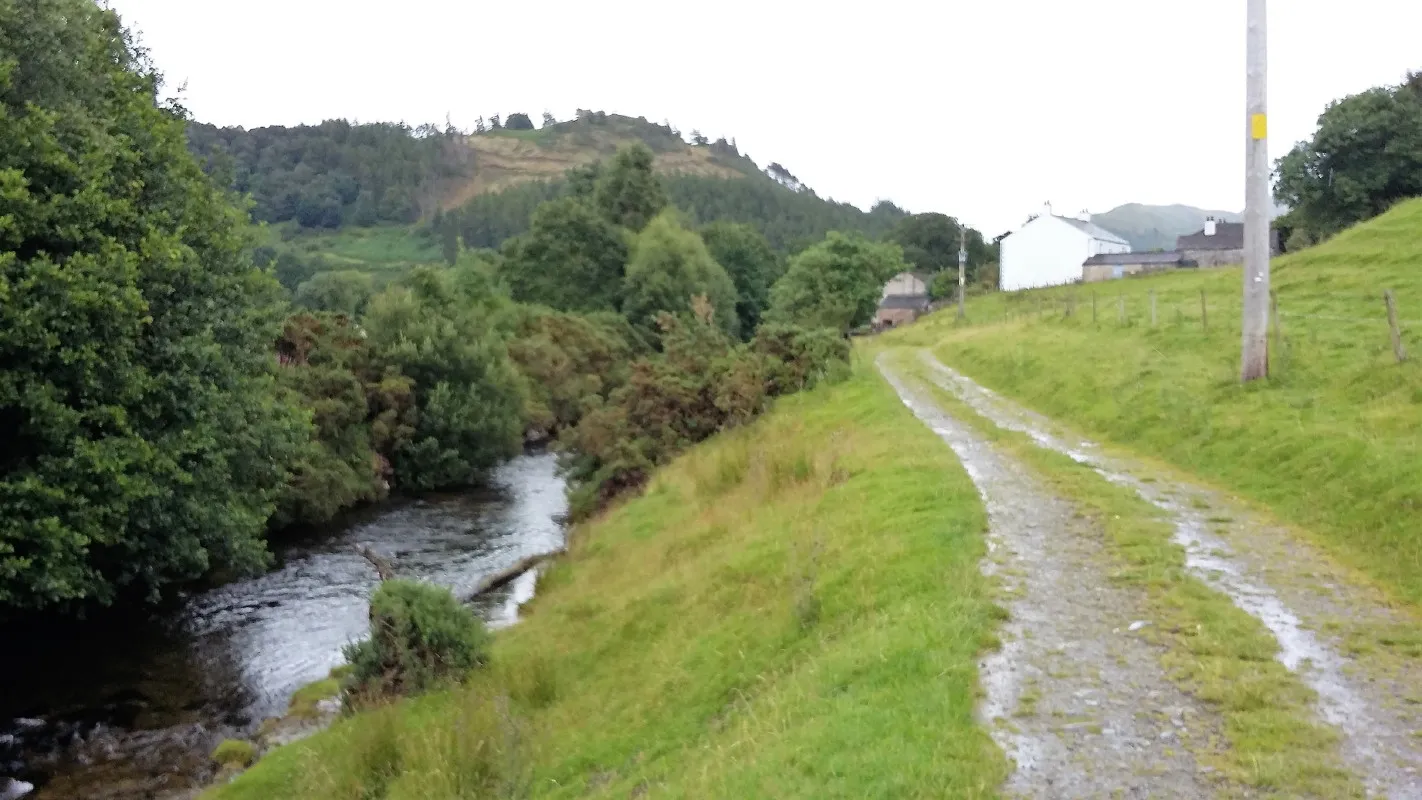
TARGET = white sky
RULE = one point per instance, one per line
(982, 109)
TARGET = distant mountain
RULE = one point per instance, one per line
(1156, 227)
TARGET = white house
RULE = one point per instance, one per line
(1049, 250)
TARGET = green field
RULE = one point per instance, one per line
(793, 609)
(387, 252)
(1332, 442)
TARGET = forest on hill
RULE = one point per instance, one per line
(169, 404)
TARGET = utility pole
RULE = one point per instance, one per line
(1254, 345)
(962, 268)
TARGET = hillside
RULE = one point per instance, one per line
(1338, 414)
(1156, 227)
(357, 196)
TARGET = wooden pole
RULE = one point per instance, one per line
(1152, 308)
(1398, 351)
(1204, 313)
(1277, 326)
(1254, 330)
(962, 268)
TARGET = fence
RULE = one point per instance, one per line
(1378, 323)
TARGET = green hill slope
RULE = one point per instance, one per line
(1156, 227)
(1332, 442)
(793, 609)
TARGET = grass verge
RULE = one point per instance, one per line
(793, 609)
(1332, 442)
(1214, 650)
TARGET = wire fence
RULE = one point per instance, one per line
(1376, 324)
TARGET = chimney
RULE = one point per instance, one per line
(1084, 216)
(1210, 226)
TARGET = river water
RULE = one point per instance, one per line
(121, 708)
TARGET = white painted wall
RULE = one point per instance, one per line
(1048, 251)
(904, 283)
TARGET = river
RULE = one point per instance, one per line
(126, 706)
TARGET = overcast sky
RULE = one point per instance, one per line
(982, 109)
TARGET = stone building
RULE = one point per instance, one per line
(1219, 244)
(1106, 266)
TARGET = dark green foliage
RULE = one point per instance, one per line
(752, 265)
(628, 192)
(519, 121)
(1365, 156)
(800, 358)
(701, 383)
(572, 259)
(835, 284)
(438, 328)
(570, 362)
(141, 439)
(292, 270)
(420, 636)
(669, 268)
(341, 291)
(361, 411)
(336, 173)
(789, 220)
(930, 243)
(488, 220)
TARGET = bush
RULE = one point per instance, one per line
(235, 754)
(419, 636)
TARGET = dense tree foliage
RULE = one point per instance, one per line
(336, 173)
(1365, 156)
(669, 268)
(789, 220)
(143, 439)
(572, 258)
(343, 291)
(751, 263)
(570, 363)
(836, 284)
(931, 241)
(700, 383)
(628, 192)
(519, 121)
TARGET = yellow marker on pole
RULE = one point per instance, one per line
(1259, 126)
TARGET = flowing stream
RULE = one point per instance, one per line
(127, 707)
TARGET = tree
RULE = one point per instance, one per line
(440, 334)
(669, 268)
(494, 124)
(752, 265)
(628, 191)
(571, 259)
(835, 284)
(549, 120)
(698, 139)
(480, 126)
(1365, 156)
(519, 121)
(145, 442)
(340, 291)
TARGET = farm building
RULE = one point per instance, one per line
(1219, 244)
(1107, 266)
(897, 309)
(1050, 249)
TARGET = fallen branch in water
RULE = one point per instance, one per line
(381, 564)
(503, 576)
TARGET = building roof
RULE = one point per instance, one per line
(1093, 230)
(914, 301)
(1228, 236)
(1175, 257)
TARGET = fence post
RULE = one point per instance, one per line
(1204, 313)
(1276, 326)
(1397, 349)
(1152, 308)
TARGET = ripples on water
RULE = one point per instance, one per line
(126, 708)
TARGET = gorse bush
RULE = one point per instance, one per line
(419, 636)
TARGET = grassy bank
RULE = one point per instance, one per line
(1332, 442)
(1271, 743)
(792, 610)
